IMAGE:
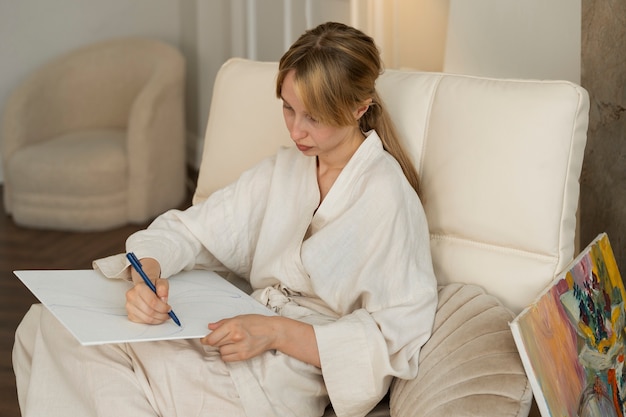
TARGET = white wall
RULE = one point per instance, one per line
(35, 31)
(416, 34)
(512, 38)
(254, 29)
(503, 38)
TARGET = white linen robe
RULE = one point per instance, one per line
(357, 268)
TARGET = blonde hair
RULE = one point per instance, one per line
(335, 68)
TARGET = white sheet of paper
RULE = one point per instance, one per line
(92, 308)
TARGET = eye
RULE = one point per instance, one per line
(287, 107)
(311, 118)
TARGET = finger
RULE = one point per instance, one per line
(151, 300)
(230, 353)
(163, 288)
(139, 312)
(139, 316)
(144, 306)
(220, 334)
(216, 325)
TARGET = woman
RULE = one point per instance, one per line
(331, 236)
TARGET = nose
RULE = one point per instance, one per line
(295, 130)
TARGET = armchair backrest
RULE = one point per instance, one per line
(92, 87)
(499, 162)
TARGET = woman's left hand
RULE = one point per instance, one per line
(242, 337)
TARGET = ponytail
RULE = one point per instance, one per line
(378, 119)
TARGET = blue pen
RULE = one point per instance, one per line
(137, 265)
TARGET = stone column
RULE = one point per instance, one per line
(603, 74)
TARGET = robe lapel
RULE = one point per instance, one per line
(294, 197)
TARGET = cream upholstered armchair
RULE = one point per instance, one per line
(499, 162)
(96, 138)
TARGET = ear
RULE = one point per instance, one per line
(360, 111)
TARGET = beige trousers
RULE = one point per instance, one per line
(56, 376)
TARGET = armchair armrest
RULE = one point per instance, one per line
(24, 116)
(156, 141)
(470, 366)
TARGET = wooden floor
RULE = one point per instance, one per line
(22, 248)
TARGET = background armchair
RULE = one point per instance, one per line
(96, 138)
(499, 162)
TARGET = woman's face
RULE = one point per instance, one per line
(310, 136)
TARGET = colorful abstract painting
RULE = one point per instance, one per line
(571, 340)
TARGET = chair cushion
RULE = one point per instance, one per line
(79, 163)
(499, 163)
(77, 181)
(470, 366)
(381, 410)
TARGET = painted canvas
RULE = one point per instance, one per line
(571, 339)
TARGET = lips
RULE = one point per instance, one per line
(303, 148)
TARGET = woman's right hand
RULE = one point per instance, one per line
(142, 304)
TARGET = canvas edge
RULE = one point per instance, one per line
(519, 340)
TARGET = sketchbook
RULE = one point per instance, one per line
(572, 341)
(91, 306)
